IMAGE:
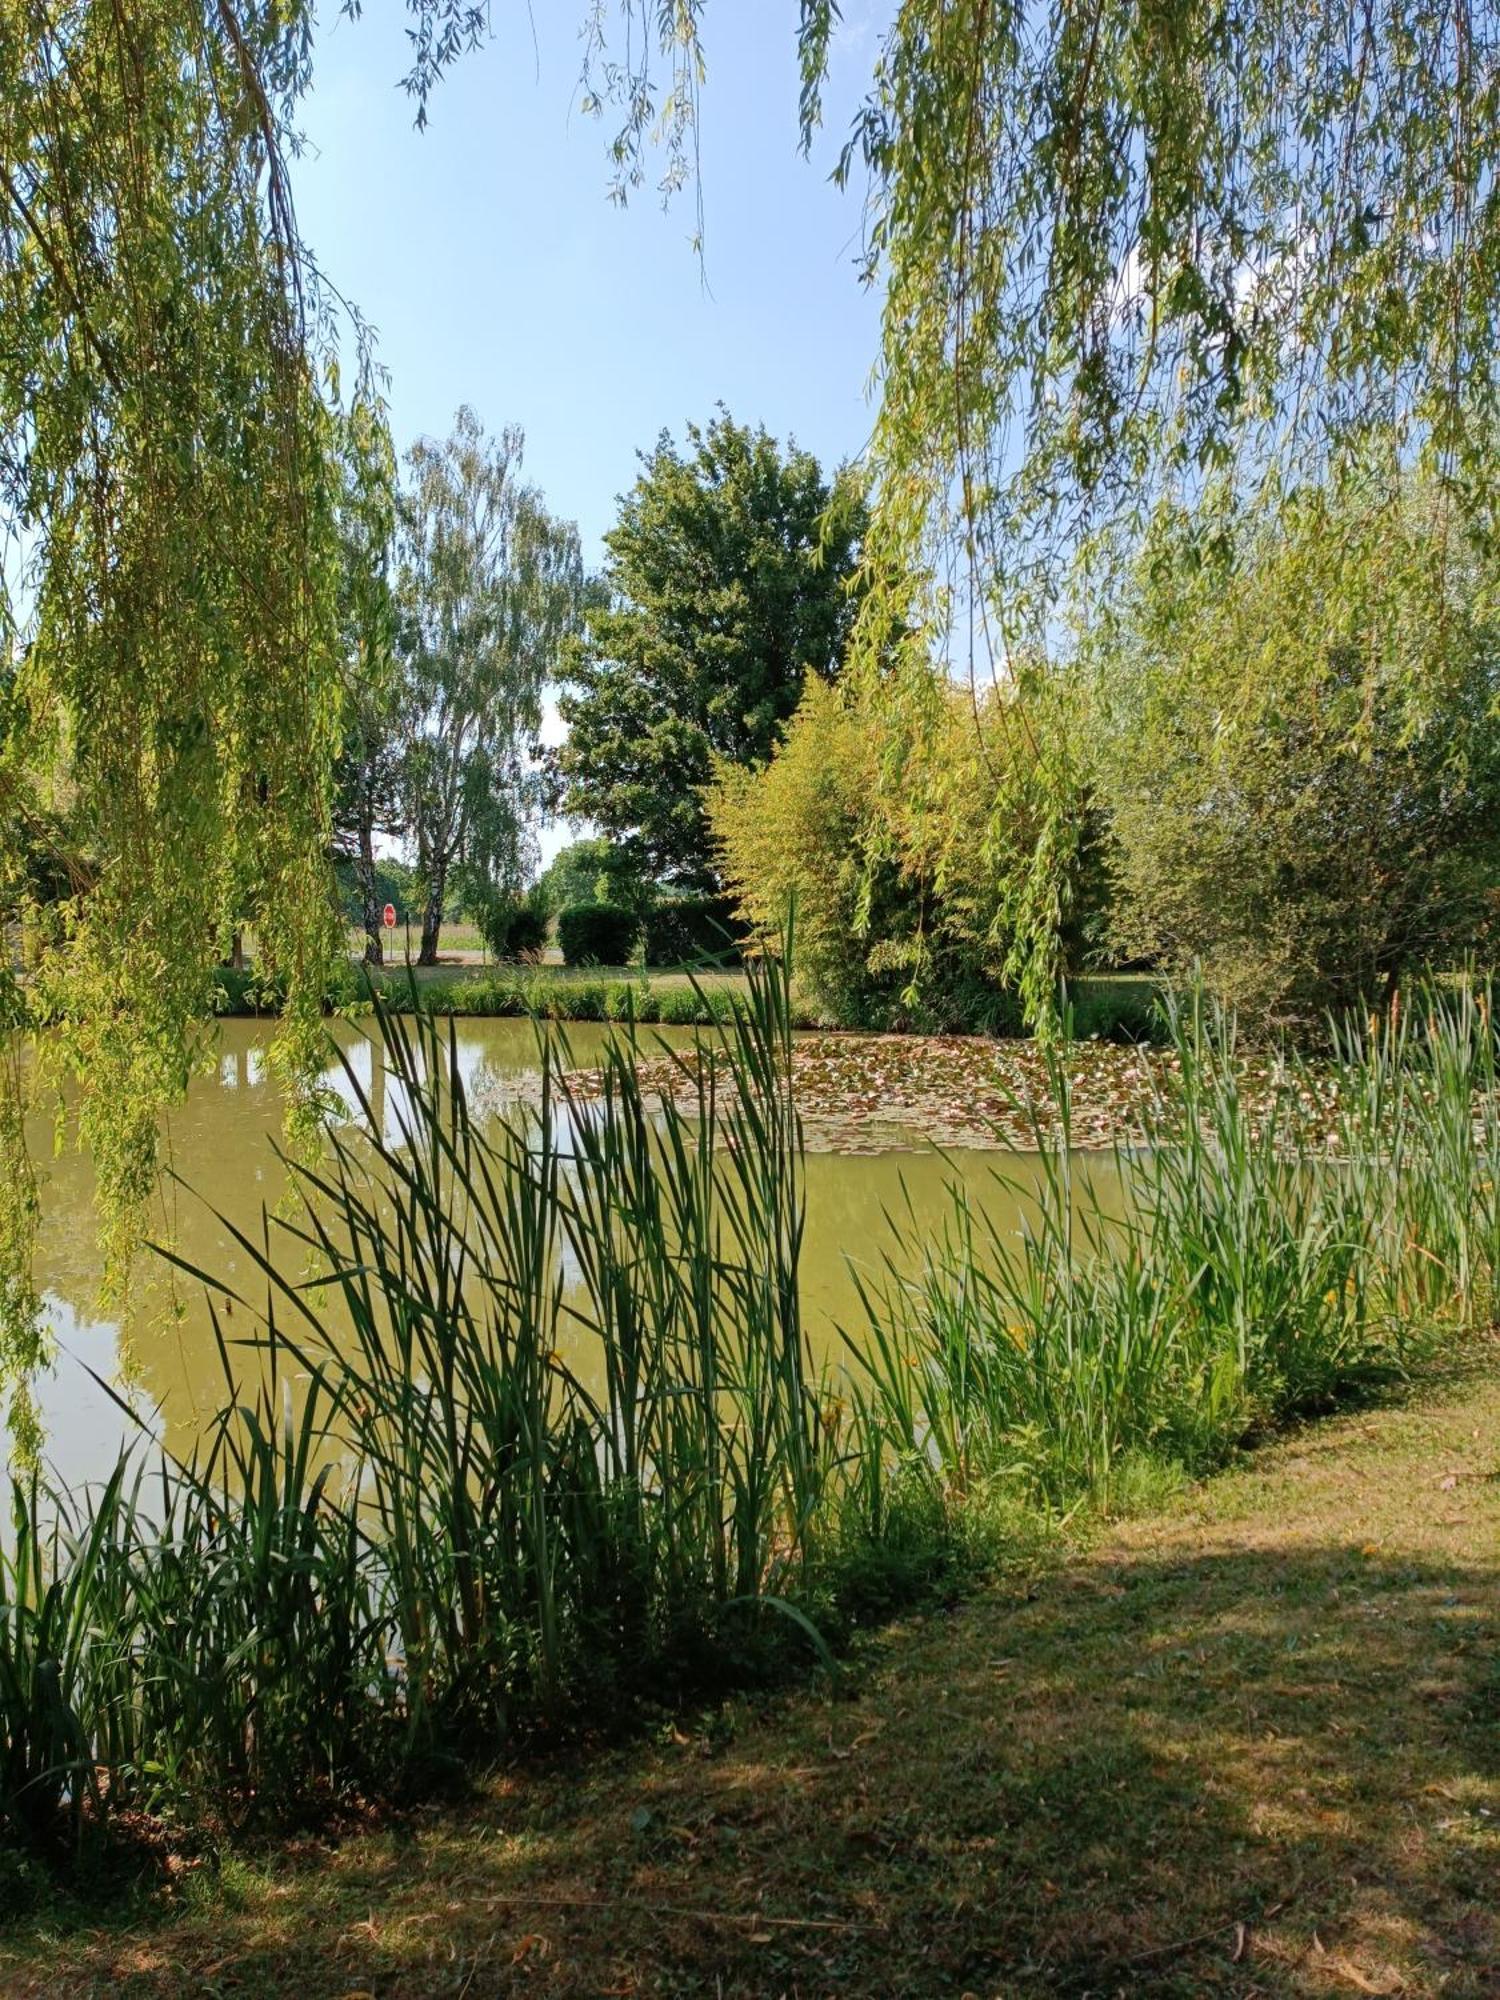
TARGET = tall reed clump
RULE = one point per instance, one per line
(1231, 1267)
(532, 1433)
(528, 1428)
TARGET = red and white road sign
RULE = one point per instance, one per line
(390, 916)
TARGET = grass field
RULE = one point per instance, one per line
(1248, 1745)
(453, 939)
(557, 974)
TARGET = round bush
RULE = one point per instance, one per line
(514, 929)
(597, 934)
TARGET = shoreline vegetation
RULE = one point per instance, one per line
(1123, 1008)
(1242, 1740)
(402, 1560)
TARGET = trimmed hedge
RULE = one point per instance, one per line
(689, 929)
(597, 934)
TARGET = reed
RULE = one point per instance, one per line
(1229, 1270)
(528, 1432)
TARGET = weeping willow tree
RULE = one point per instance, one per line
(1130, 251)
(171, 580)
(1122, 247)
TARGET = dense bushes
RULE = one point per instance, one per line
(246, 990)
(686, 930)
(906, 837)
(598, 934)
(596, 870)
(1297, 740)
(1271, 754)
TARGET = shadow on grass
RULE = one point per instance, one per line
(1253, 1770)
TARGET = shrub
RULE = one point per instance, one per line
(1296, 741)
(585, 1000)
(907, 841)
(684, 1007)
(513, 926)
(797, 836)
(689, 929)
(245, 990)
(597, 934)
(624, 1000)
(594, 871)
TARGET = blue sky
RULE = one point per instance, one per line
(496, 271)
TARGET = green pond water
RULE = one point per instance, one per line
(221, 1143)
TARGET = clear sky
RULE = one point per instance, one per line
(496, 271)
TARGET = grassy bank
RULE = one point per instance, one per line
(1243, 1744)
(1119, 1009)
(448, 1542)
(542, 992)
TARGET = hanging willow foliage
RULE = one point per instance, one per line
(1122, 246)
(1127, 242)
(172, 583)
(1128, 247)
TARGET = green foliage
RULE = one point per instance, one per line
(907, 836)
(1118, 1010)
(165, 484)
(1115, 256)
(1297, 742)
(367, 793)
(689, 930)
(728, 582)
(1219, 1279)
(392, 880)
(488, 587)
(563, 1447)
(364, 1585)
(596, 870)
(1128, 249)
(514, 927)
(598, 934)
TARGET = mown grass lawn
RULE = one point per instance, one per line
(1247, 1746)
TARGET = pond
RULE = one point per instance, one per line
(222, 1144)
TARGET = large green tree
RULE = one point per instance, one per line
(488, 586)
(1297, 742)
(170, 582)
(728, 580)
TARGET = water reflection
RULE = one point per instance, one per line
(222, 1145)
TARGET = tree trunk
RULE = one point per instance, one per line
(364, 869)
(432, 916)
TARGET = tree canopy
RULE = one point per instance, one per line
(487, 588)
(727, 582)
(1297, 744)
(169, 590)
(1121, 246)
(1123, 252)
